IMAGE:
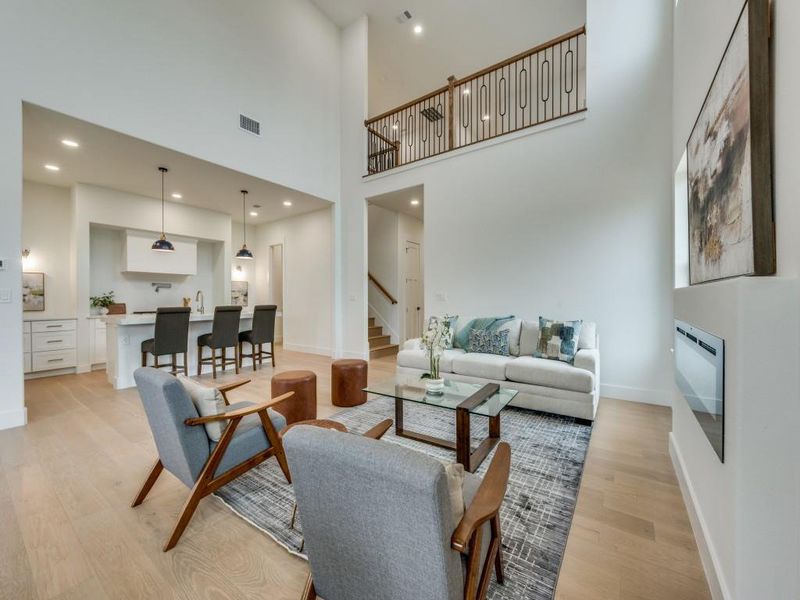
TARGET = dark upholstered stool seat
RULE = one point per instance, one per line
(171, 337)
(224, 334)
(348, 380)
(263, 332)
(303, 405)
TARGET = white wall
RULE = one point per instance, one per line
(382, 234)
(745, 511)
(571, 222)
(46, 232)
(307, 278)
(135, 289)
(176, 74)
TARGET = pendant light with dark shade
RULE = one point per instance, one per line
(163, 244)
(244, 251)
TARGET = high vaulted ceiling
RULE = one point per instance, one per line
(458, 37)
(121, 162)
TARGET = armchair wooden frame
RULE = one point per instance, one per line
(468, 535)
(206, 482)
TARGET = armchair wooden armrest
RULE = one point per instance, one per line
(239, 412)
(487, 501)
(377, 432)
(228, 387)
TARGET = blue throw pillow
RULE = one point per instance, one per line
(558, 340)
(461, 339)
(488, 342)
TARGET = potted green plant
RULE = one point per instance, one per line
(102, 302)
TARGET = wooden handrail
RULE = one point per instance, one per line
(526, 53)
(383, 290)
(383, 138)
(441, 90)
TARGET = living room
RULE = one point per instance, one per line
(581, 217)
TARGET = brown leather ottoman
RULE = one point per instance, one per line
(348, 379)
(303, 405)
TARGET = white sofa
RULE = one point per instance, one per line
(543, 384)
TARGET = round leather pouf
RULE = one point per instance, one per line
(303, 405)
(348, 380)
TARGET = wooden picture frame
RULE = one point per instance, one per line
(729, 160)
(33, 292)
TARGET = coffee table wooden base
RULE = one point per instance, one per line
(463, 444)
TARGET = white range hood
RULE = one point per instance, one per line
(139, 257)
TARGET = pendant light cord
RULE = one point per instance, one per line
(244, 218)
(162, 203)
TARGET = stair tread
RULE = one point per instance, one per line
(375, 337)
(385, 346)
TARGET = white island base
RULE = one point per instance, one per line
(125, 334)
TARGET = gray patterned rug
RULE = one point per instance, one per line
(547, 455)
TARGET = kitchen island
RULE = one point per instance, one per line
(125, 334)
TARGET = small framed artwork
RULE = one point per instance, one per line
(731, 223)
(239, 293)
(32, 292)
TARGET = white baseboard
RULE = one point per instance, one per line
(622, 392)
(13, 418)
(307, 349)
(708, 556)
(352, 354)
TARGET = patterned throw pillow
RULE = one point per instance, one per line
(432, 321)
(558, 340)
(488, 342)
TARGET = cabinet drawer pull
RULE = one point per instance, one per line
(54, 341)
(56, 360)
(54, 326)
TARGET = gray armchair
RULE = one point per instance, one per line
(185, 450)
(378, 522)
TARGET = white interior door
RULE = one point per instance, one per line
(413, 291)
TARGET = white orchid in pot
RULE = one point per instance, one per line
(435, 341)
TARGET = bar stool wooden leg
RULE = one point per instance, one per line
(144, 359)
(214, 362)
(236, 359)
(174, 363)
(185, 365)
(272, 352)
(156, 360)
(199, 360)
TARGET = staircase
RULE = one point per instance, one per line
(379, 344)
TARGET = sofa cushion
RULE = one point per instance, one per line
(513, 327)
(549, 373)
(417, 358)
(466, 324)
(528, 337)
(588, 337)
(485, 366)
(209, 402)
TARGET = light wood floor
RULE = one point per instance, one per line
(66, 529)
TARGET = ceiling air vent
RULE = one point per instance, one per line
(403, 17)
(431, 114)
(249, 125)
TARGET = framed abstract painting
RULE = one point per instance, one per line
(731, 225)
(32, 292)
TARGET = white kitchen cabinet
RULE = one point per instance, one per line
(97, 341)
(49, 345)
(139, 257)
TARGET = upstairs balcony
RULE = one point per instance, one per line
(540, 85)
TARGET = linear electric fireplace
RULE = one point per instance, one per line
(700, 374)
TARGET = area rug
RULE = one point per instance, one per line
(547, 455)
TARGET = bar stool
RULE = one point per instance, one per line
(171, 336)
(224, 334)
(263, 332)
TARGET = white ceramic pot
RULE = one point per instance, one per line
(103, 310)
(434, 386)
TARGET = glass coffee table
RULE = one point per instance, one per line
(466, 399)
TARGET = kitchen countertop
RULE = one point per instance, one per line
(150, 319)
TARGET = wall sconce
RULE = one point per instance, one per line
(26, 258)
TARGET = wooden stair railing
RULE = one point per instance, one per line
(542, 84)
(382, 289)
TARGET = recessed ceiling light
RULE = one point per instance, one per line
(52, 167)
(418, 29)
(287, 202)
(70, 143)
(415, 202)
(177, 196)
(253, 213)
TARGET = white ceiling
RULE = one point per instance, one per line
(114, 160)
(459, 37)
(400, 201)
